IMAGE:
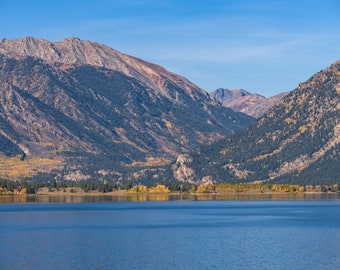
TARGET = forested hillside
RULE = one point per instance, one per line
(297, 141)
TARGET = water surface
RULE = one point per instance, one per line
(290, 234)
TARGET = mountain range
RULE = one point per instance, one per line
(77, 110)
(296, 141)
(240, 100)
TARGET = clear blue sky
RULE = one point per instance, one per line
(264, 46)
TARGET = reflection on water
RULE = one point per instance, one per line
(170, 197)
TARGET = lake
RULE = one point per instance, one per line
(179, 234)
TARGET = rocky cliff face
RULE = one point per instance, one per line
(297, 141)
(241, 100)
(80, 109)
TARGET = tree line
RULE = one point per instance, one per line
(8, 187)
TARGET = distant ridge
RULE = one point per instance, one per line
(241, 100)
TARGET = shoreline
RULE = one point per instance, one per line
(122, 192)
(96, 193)
(56, 189)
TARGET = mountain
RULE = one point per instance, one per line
(297, 141)
(80, 110)
(241, 100)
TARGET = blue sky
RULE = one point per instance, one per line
(264, 46)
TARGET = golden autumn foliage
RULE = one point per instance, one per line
(206, 188)
(168, 124)
(290, 120)
(159, 189)
(287, 188)
(21, 192)
(15, 168)
(246, 187)
(137, 189)
(230, 187)
(144, 189)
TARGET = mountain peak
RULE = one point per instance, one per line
(74, 51)
(241, 100)
(72, 39)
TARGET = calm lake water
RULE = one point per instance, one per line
(258, 234)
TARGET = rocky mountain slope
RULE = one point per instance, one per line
(81, 110)
(241, 100)
(297, 141)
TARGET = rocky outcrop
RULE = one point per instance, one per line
(181, 171)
